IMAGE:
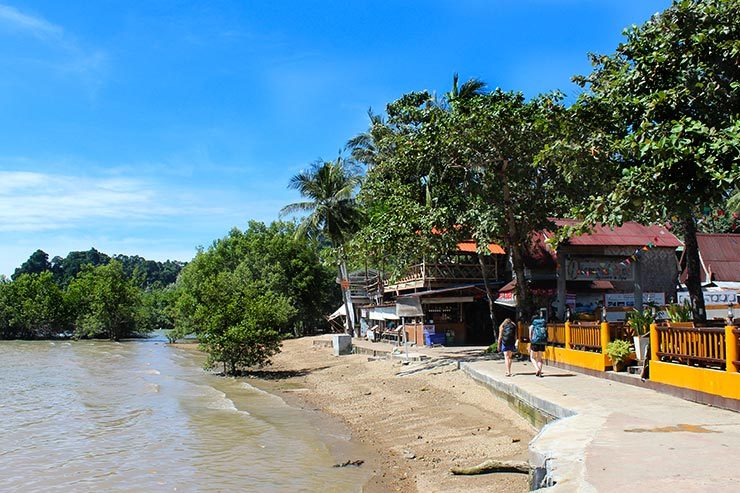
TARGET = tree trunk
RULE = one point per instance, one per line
(516, 250)
(489, 294)
(493, 466)
(524, 302)
(693, 269)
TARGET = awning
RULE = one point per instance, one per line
(373, 315)
(409, 307)
(340, 312)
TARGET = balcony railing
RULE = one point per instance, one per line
(446, 272)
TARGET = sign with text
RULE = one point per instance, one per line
(613, 300)
(597, 269)
(712, 297)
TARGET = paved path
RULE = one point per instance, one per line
(617, 437)
(608, 436)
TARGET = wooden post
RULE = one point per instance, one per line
(654, 342)
(637, 272)
(731, 348)
(561, 285)
(567, 334)
(604, 336)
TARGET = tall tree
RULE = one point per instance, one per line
(472, 167)
(332, 213)
(665, 113)
(107, 302)
(37, 263)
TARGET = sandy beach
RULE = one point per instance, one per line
(415, 425)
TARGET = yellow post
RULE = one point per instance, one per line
(604, 336)
(522, 335)
(567, 334)
(654, 342)
(731, 348)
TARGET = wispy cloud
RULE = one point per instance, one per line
(37, 26)
(31, 201)
(64, 54)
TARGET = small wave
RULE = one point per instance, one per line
(152, 388)
(150, 372)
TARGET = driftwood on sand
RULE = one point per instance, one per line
(357, 463)
(491, 465)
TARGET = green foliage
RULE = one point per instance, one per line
(618, 351)
(470, 166)
(679, 313)
(640, 320)
(31, 307)
(664, 123)
(37, 263)
(248, 289)
(106, 301)
(157, 309)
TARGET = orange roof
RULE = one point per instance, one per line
(471, 247)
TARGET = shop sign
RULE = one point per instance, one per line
(613, 300)
(711, 297)
(597, 269)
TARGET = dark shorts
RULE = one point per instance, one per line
(537, 347)
(507, 347)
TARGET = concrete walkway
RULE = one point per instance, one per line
(605, 436)
(615, 437)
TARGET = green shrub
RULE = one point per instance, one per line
(618, 351)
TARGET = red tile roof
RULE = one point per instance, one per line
(629, 234)
(471, 247)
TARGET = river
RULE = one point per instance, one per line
(141, 416)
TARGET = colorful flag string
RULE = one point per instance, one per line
(639, 252)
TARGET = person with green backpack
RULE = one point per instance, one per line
(537, 342)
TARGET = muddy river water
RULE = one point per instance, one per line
(141, 416)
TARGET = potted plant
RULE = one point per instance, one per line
(618, 351)
(640, 322)
(679, 314)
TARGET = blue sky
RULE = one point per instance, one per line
(154, 127)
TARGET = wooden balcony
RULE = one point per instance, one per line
(429, 275)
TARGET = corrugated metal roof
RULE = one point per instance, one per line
(629, 234)
(720, 255)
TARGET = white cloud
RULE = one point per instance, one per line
(31, 201)
(37, 26)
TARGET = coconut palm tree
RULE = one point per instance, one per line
(332, 212)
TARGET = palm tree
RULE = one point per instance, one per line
(473, 87)
(332, 212)
(364, 147)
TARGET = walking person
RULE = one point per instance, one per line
(507, 342)
(537, 342)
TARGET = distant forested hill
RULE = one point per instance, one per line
(147, 273)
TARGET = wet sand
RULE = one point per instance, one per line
(414, 427)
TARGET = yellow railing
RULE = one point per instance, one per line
(711, 347)
(586, 336)
(556, 334)
(692, 346)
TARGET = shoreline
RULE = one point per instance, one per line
(414, 427)
(411, 428)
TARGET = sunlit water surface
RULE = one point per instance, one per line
(142, 416)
